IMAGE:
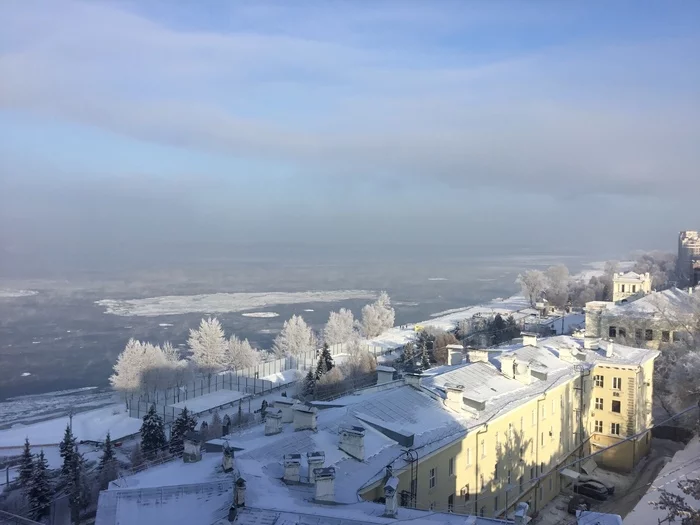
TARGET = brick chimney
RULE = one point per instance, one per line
(454, 399)
(305, 417)
(391, 507)
(325, 485)
(315, 461)
(292, 466)
(454, 353)
(273, 422)
(385, 374)
(352, 442)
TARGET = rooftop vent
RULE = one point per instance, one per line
(454, 395)
(454, 353)
(607, 347)
(273, 422)
(385, 374)
(292, 466)
(413, 379)
(325, 485)
(522, 373)
(285, 405)
(477, 356)
(315, 461)
(304, 417)
(508, 365)
(520, 516)
(476, 404)
(529, 338)
(352, 441)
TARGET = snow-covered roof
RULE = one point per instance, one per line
(684, 465)
(629, 276)
(589, 517)
(672, 302)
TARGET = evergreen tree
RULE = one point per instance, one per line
(263, 410)
(325, 362)
(216, 427)
(184, 423)
(108, 464)
(408, 356)
(497, 329)
(78, 493)
(309, 385)
(67, 448)
(40, 489)
(26, 466)
(152, 433)
(424, 361)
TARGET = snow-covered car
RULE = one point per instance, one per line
(592, 489)
(608, 486)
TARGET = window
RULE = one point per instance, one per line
(532, 472)
(551, 434)
(622, 287)
(638, 334)
(451, 467)
(612, 331)
(544, 411)
(520, 484)
(665, 336)
(676, 337)
(481, 481)
(598, 381)
(617, 383)
(451, 503)
(498, 443)
(495, 505)
(510, 432)
(509, 477)
(521, 425)
(432, 505)
(482, 511)
(561, 401)
(616, 407)
(649, 335)
(541, 491)
(432, 480)
(483, 449)
(599, 403)
(469, 456)
(495, 472)
(634, 288)
(534, 417)
(615, 429)
(541, 468)
(542, 439)
(466, 492)
(598, 426)
(621, 332)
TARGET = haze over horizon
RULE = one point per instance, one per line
(561, 126)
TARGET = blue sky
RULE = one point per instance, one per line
(349, 120)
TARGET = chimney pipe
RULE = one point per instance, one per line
(325, 485)
(352, 442)
(391, 508)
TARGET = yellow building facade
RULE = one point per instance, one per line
(562, 404)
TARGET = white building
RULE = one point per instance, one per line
(688, 262)
(630, 285)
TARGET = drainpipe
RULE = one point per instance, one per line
(476, 481)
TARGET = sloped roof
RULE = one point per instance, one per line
(671, 303)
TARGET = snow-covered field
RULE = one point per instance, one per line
(10, 294)
(92, 425)
(262, 315)
(223, 302)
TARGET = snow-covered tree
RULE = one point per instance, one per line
(325, 362)
(208, 345)
(77, 486)
(152, 433)
(677, 506)
(309, 384)
(532, 283)
(108, 464)
(129, 368)
(67, 448)
(26, 465)
(40, 491)
(240, 354)
(183, 424)
(377, 316)
(295, 338)
(340, 327)
(557, 291)
(216, 426)
(684, 382)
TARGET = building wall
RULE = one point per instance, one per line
(688, 253)
(544, 435)
(633, 330)
(630, 289)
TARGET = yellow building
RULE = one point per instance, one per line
(526, 417)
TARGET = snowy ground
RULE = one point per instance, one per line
(10, 294)
(284, 377)
(223, 302)
(210, 401)
(92, 425)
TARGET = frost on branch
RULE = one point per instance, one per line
(295, 338)
(208, 346)
(340, 327)
(377, 316)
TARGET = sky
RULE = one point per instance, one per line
(126, 123)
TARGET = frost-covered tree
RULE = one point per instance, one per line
(26, 465)
(377, 316)
(295, 338)
(557, 290)
(208, 346)
(183, 424)
(152, 433)
(532, 283)
(408, 356)
(684, 381)
(40, 491)
(129, 369)
(340, 327)
(240, 354)
(677, 506)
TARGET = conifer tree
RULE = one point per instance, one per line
(408, 354)
(152, 433)
(325, 362)
(108, 463)
(424, 361)
(78, 493)
(184, 423)
(309, 384)
(40, 489)
(67, 448)
(26, 466)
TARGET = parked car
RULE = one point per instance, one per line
(609, 486)
(592, 489)
(578, 502)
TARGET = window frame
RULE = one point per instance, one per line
(615, 429)
(451, 466)
(617, 383)
(649, 334)
(612, 331)
(599, 381)
(665, 336)
(599, 403)
(598, 426)
(432, 478)
(619, 406)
